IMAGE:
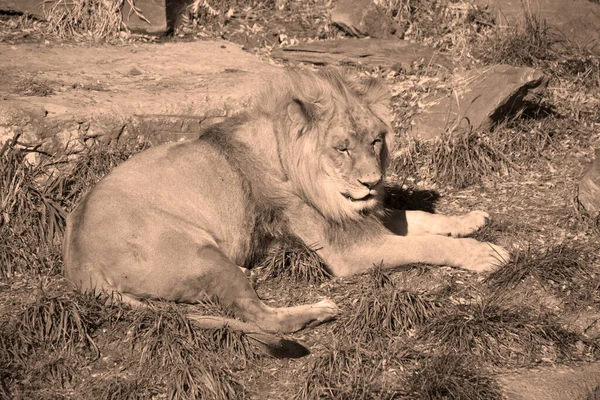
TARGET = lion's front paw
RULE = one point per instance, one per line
(469, 223)
(483, 256)
(323, 311)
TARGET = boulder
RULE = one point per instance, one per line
(360, 18)
(391, 54)
(577, 20)
(589, 188)
(480, 99)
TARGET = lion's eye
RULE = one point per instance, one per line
(342, 149)
(376, 144)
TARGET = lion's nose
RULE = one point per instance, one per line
(371, 183)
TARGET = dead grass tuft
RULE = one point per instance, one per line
(387, 311)
(507, 337)
(31, 214)
(168, 330)
(120, 387)
(528, 44)
(60, 322)
(564, 269)
(164, 340)
(348, 373)
(47, 342)
(294, 259)
(451, 376)
(95, 20)
(461, 158)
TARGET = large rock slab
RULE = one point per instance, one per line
(391, 54)
(480, 99)
(59, 96)
(360, 18)
(577, 20)
(553, 383)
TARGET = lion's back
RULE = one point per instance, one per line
(187, 185)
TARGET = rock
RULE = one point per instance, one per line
(553, 383)
(577, 20)
(481, 98)
(391, 54)
(96, 97)
(589, 188)
(360, 18)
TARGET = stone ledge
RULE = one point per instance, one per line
(163, 92)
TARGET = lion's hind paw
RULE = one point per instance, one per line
(323, 311)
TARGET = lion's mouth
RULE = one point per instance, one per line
(368, 197)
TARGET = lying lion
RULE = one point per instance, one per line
(177, 221)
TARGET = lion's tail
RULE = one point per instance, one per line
(273, 344)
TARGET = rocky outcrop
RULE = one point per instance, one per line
(480, 98)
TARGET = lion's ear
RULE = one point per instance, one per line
(377, 95)
(303, 114)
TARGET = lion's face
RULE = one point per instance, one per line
(333, 141)
(353, 158)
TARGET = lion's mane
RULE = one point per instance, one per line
(277, 146)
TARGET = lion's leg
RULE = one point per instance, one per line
(219, 277)
(423, 223)
(392, 251)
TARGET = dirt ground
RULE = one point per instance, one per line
(479, 337)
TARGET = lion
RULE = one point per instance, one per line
(307, 161)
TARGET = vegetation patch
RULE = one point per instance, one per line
(451, 376)
(502, 336)
(88, 19)
(348, 373)
(566, 270)
(462, 157)
(293, 259)
(384, 311)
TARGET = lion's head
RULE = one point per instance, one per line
(334, 140)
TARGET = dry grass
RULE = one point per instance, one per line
(93, 20)
(348, 373)
(566, 270)
(384, 311)
(461, 158)
(295, 260)
(530, 44)
(451, 376)
(500, 336)
(32, 217)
